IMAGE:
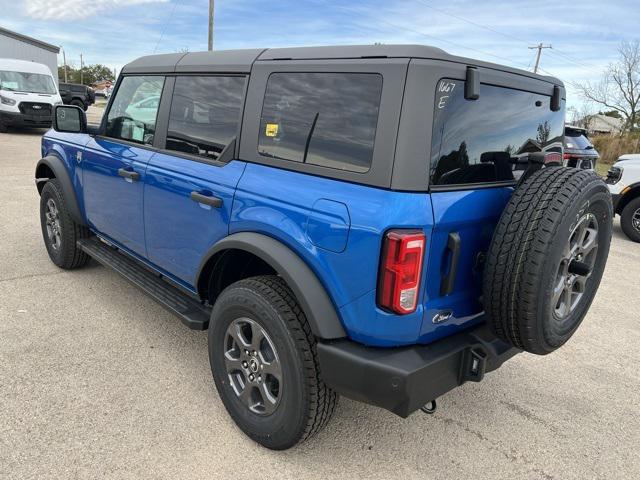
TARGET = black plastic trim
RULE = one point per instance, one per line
(190, 311)
(60, 172)
(404, 379)
(313, 298)
(453, 250)
(472, 84)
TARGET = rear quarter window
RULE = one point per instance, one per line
(324, 119)
(487, 140)
(576, 139)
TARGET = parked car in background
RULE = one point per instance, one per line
(79, 95)
(343, 220)
(28, 94)
(578, 149)
(144, 110)
(624, 183)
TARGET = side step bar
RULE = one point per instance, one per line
(192, 313)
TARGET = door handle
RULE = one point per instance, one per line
(453, 249)
(129, 174)
(215, 202)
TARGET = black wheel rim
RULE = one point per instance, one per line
(635, 220)
(52, 220)
(576, 265)
(253, 366)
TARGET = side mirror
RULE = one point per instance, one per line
(69, 119)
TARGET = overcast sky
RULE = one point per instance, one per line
(584, 33)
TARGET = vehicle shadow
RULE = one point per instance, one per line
(26, 132)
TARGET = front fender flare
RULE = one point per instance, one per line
(56, 165)
(313, 297)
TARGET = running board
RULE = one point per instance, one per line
(192, 313)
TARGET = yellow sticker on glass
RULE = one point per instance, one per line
(271, 130)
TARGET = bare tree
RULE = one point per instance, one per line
(581, 117)
(619, 88)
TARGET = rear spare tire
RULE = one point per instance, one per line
(547, 257)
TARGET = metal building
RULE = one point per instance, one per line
(22, 47)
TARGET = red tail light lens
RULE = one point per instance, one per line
(400, 270)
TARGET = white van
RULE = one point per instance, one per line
(28, 94)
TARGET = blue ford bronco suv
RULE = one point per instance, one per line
(380, 222)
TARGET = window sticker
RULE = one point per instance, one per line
(271, 130)
(137, 133)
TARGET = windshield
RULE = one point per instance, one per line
(26, 82)
(488, 139)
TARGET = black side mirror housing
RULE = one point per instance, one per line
(69, 119)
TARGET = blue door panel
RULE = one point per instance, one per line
(179, 230)
(113, 204)
(473, 215)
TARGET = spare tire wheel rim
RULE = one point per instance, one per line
(575, 267)
(635, 220)
(253, 366)
(52, 220)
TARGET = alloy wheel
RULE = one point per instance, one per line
(54, 228)
(253, 366)
(575, 266)
(635, 220)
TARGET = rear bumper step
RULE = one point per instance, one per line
(404, 379)
(192, 313)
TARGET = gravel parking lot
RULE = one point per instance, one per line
(99, 381)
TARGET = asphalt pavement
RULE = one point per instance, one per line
(98, 381)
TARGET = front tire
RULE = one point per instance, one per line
(630, 220)
(59, 231)
(263, 358)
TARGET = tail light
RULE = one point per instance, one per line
(400, 270)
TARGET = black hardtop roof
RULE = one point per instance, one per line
(240, 61)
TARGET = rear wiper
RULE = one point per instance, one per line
(306, 145)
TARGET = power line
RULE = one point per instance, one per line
(459, 45)
(166, 23)
(485, 27)
(555, 51)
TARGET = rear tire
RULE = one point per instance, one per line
(3, 128)
(78, 103)
(274, 393)
(59, 231)
(630, 220)
(547, 257)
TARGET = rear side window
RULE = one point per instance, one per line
(205, 113)
(488, 140)
(576, 139)
(132, 116)
(325, 119)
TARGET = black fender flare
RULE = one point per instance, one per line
(314, 300)
(631, 192)
(56, 165)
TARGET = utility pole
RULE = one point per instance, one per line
(64, 61)
(539, 47)
(211, 2)
(81, 70)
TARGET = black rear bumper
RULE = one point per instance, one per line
(404, 379)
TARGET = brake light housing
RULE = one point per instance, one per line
(401, 270)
